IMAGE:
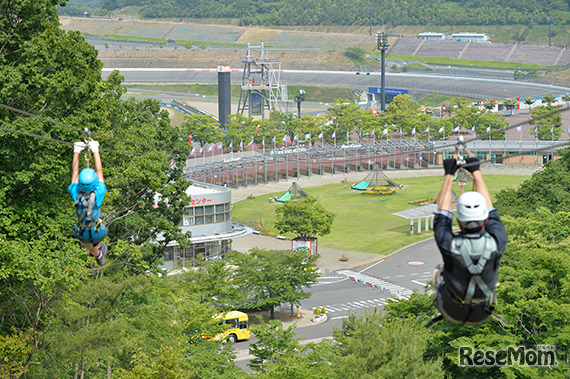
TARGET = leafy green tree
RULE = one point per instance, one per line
(529, 101)
(372, 345)
(549, 99)
(305, 218)
(546, 188)
(269, 278)
(465, 115)
(312, 360)
(403, 113)
(489, 104)
(346, 117)
(510, 103)
(547, 127)
(356, 54)
(204, 129)
(239, 128)
(272, 342)
(566, 99)
(14, 349)
(212, 282)
(56, 74)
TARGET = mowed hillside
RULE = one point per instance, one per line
(296, 49)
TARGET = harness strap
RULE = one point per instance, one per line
(475, 269)
(434, 320)
(87, 204)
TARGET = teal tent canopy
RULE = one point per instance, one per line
(294, 192)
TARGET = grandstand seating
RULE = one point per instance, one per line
(482, 51)
(487, 51)
(405, 46)
(535, 54)
(445, 49)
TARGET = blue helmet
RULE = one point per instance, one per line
(87, 179)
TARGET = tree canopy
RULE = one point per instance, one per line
(305, 218)
(331, 12)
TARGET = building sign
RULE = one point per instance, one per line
(389, 91)
(200, 201)
(307, 244)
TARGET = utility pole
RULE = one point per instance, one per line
(299, 99)
(382, 45)
(549, 20)
(370, 16)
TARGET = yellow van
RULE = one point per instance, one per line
(238, 327)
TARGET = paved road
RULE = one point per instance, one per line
(478, 88)
(394, 276)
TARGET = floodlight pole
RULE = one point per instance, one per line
(370, 16)
(299, 99)
(382, 45)
(549, 20)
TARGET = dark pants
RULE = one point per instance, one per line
(92, 235)
(453, 311)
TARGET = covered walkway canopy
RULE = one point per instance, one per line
(424, 211)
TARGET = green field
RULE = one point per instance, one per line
(365, 222)
(312, 93)
(470, 63)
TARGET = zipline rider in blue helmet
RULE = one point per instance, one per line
(87, 190)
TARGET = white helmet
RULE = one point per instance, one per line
(472, 206)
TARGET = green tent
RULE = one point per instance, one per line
(285, 197)
(360, 186)
(294, 192)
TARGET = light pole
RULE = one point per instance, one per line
(300, 98)
(370, 17)
(382, 44)
(549, 20)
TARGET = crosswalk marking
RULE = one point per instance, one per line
(351, 305)
(380, 284)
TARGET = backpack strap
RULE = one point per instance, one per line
(434, 320)
(87, 202)
(475, 269)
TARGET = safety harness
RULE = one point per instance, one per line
(84, 205)
(461, 248)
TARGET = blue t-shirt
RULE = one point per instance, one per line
(99, 190)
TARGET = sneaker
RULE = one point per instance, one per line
(437, 277)
(102, 252)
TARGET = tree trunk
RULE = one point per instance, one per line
(108, 368)
(272, 313)
(82, 365)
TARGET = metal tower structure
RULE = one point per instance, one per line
(261, 83)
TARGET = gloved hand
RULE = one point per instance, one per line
(450, 166)
(78, 147)
(472, 164)
(94, 146)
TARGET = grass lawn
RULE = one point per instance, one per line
(365, 222)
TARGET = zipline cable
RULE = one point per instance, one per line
(413, 151)
(27, 134)
(33, 115)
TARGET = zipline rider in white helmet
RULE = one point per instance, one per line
(465, 283)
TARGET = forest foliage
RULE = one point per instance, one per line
(357, 12)
(64, 317)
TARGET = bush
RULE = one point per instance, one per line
(316, 312)
(323, 310)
